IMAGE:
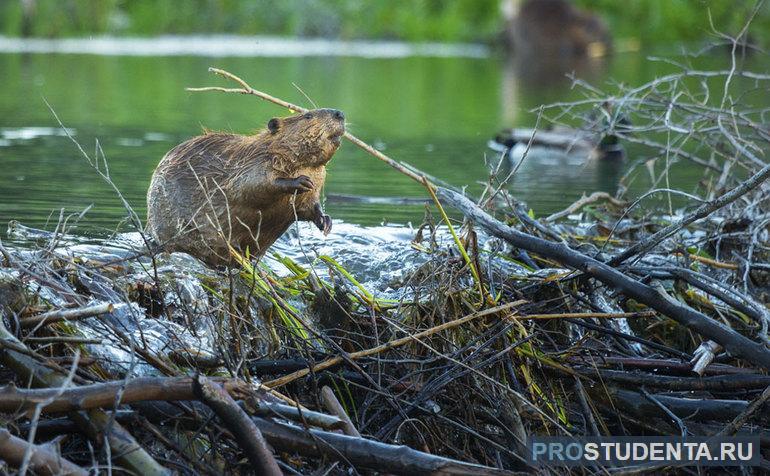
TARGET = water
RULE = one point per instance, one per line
(433, 108)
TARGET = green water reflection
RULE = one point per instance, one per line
(434, 113)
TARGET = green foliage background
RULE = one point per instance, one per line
(650, 21)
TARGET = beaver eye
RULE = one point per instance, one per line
(307, 115)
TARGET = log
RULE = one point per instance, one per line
(103, 395)
(718, 383)
(661, 366)
(735, 343)
(364, 453)
(42, 461)
(690, 408)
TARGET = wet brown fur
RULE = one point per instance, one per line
(219, 188)
(552, 29)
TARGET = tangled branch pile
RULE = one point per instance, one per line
(607, 319)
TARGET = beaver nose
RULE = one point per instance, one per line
(339, 115)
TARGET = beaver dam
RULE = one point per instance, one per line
(437, 349)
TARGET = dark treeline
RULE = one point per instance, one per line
(413, 20)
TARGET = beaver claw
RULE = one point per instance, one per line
(324, 223)
(300, 184)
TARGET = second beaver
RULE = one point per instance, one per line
(221, 189)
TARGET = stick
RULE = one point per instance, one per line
(663, 366)
(367, 453)
(735, 343)
(690, 408)
(719, 383)
(247, 435)
(65, 315)
(581, 202)
(95, 423)
(321, 420)
(392, 344)
(752, 408)
(103, 395)
(701, 212)
(333, 405)
(43, 461)
(586, 315)
(246, 89)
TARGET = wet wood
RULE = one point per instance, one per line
(60, 315)
(42, 460)
(247, 434)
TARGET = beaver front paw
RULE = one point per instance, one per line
(324, 223)
(299, 184)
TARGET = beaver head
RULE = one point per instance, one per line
(310, 139)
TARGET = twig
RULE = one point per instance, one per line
(330, 402)
(392, 344)
(741, 419)
(701, 212)
(587, 315)
(65, 315)
(581, 202)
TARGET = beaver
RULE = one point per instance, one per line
(221, 189)
(553, 29)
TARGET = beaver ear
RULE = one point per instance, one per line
(273, 125)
